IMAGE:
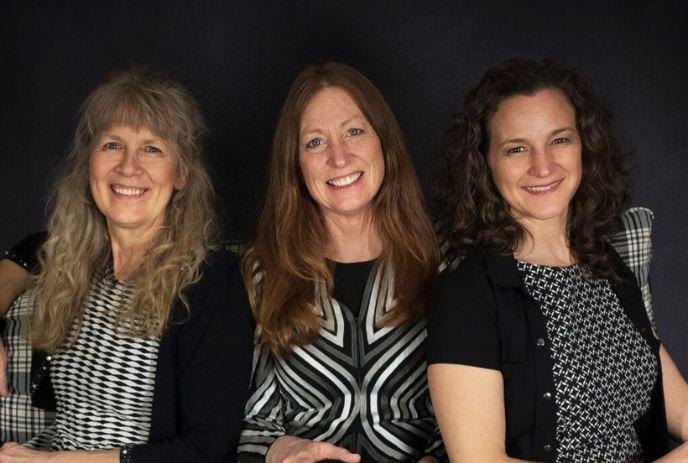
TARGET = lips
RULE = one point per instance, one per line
(127, 191)
(346, 180)
(543, 189)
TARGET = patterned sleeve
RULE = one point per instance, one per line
(41, 441)
(263, 420)
(633, 243)
(435, 447)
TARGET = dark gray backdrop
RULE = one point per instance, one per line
(238, 58)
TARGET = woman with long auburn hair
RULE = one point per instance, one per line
(339, 278)
(145, 323)
(540, 347)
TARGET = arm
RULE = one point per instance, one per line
(469, 404)
(264, 436)
(676, 404)
(15, 453)
(676, 396)
(14, 280)
(263, 420)
(464, 357)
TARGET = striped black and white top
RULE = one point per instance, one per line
(103, 379)
(359, 386)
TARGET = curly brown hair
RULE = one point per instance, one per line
(474, 212)
(291, 240)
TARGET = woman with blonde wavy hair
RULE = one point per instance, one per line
(339, 277)
(145, 323)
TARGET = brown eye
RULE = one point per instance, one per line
(516, 149)
(111, 145)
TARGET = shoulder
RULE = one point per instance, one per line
(472, 266)
(220, 267)
(220, 284)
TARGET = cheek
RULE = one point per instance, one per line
(309, 171)
(97, 169)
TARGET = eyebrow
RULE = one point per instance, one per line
(147, 141)
(346, 122)
(551, 134)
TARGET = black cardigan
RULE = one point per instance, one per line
(202, 375)
(491, 285)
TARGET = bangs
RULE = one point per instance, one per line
(136, 109)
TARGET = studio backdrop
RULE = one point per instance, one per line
(238, 58)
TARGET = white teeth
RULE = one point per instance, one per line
(128, 191)
(536, 189)
(346, 180)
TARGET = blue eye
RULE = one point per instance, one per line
(355, 132)
(314, 143)
(111, 145)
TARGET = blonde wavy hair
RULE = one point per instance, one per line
(291, 240)
(78, 247)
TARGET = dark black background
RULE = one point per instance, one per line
(238, 59)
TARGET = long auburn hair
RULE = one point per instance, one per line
(291, 240)
(473, 211)
(78, 247)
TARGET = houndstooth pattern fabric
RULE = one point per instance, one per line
(604, 371)
(19, 419)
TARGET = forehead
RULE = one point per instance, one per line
(545, 109)
(138, 117)
(329, 105)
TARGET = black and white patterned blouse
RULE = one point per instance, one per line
(604, 371)
(103, 379)
(359, 386)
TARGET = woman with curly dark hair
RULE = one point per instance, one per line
(539, 344)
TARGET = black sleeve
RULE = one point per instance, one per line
(25, 252)
(213, 362)
(463, 326)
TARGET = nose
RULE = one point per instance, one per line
(339, 155)
(129, 163)
(541, 163)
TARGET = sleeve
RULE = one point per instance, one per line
(435, 447)
(633, 243)
(25, 252)
(463, 326)
(213, 371)
(41, 441)
(263, 420)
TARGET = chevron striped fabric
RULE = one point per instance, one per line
(357, 386)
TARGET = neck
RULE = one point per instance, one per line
(352, 239)
(128, 247)
(546, 243)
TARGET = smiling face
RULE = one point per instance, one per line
(133, 173)
(535, 156)
(340, 155)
